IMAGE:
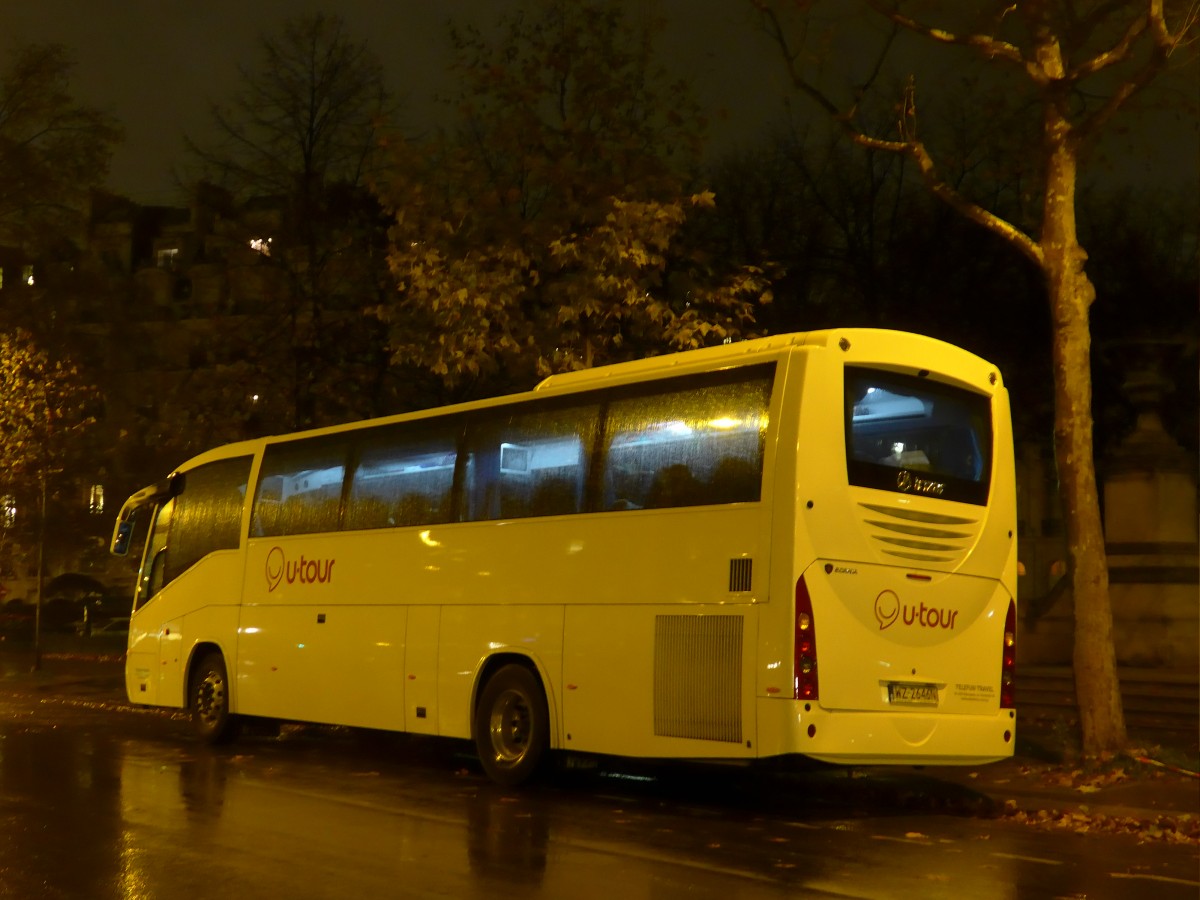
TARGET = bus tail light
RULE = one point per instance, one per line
(1008, 660)
(805, 658)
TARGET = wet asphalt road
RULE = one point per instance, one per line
(101, 801)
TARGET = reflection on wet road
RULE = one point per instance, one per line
(100, 802)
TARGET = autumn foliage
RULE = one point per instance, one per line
(43, 410)
(547, 230)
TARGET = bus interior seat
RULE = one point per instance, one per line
(675, 485)
(413, 509)
(735, 480)
(554, 497)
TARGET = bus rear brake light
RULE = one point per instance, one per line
(805, 656)
(1008, 659)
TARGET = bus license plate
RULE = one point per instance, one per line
(912, 694)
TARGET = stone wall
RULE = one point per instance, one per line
(1149, 497)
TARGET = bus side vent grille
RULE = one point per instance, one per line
(739, 574)
(698, 677)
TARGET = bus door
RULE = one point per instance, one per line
(145, 626)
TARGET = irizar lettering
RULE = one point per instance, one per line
(915, 484)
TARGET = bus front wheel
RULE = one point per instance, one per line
(208, 701)
(512, 725)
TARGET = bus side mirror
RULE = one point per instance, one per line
(120, 539)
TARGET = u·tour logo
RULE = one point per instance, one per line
(302, 571)
(889, 610)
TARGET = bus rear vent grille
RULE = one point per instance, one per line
(739, 574)
(923, 537)
(698, 677)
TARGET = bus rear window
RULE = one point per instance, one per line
(917, 436)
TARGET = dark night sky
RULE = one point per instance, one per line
(157, 64)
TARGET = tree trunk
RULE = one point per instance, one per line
(1102, 721)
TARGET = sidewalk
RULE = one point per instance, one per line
(103, 667)
(1153, 793)
(1123, 795)
(1157, 798)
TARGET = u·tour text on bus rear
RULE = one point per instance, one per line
(889, 610)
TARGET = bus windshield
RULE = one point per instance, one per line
(914, 435)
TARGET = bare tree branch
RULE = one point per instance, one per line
(908, 146)
(939, 187)
(988, 46)
(1163, 43)
(1119, 52)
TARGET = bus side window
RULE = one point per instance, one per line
(687, 447)
(529, 465)
(404, 476)
(300, 487)
(207, 515)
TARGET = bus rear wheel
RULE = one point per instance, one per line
(208, 701)
(512, 725)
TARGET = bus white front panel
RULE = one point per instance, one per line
(200, 606)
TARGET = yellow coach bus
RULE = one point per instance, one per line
(802, 544)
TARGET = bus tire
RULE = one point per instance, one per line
(208, 701)
(512, 725)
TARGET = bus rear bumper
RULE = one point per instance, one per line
(852, 737)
